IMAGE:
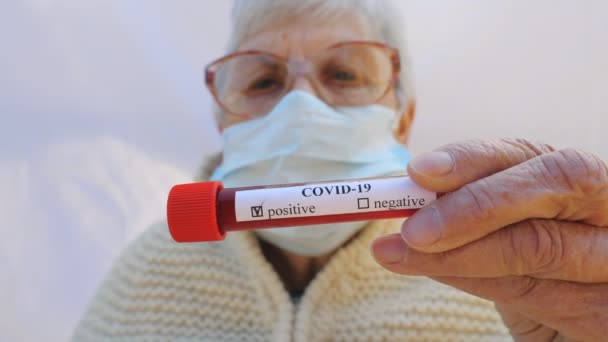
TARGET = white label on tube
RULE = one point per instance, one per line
(331, 198)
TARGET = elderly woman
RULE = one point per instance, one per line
(317, 90)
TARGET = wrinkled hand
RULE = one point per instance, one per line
(523, 225)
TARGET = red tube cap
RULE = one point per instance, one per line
(192, 214)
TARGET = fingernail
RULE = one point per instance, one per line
(433, 164)
(422, 229)
(389, 249)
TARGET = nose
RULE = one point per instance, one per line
(302, 83)
(301, 71)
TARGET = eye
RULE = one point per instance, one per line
(343, 75)
(263, 84)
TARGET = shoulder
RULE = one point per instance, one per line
(156, 248)
(372, 303)
(157, 282)
(156, 255)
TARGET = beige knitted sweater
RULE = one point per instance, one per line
(226, 291)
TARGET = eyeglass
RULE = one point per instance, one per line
(355, 73)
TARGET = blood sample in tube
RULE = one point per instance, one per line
(206, 211)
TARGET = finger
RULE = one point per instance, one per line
(544, 249)
(524, 329)
(452, 166)
(566, 185)
(577, 311)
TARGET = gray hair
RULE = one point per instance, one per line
(383, 15)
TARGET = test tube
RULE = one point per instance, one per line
(206, 211)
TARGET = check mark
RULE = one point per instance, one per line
(257, 211)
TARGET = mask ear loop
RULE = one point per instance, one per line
(219, 116)
(400, 109)
(403, 109)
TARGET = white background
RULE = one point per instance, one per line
(102, 109)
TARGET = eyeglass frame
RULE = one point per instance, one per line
(211, 68)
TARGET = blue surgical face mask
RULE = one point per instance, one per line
(303, 140)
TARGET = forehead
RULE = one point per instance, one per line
(305, 36)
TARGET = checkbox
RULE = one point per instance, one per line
(257, 211)
(363, 203)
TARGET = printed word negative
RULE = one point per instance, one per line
(407, 202)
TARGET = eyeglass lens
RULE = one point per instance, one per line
(348, 75)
